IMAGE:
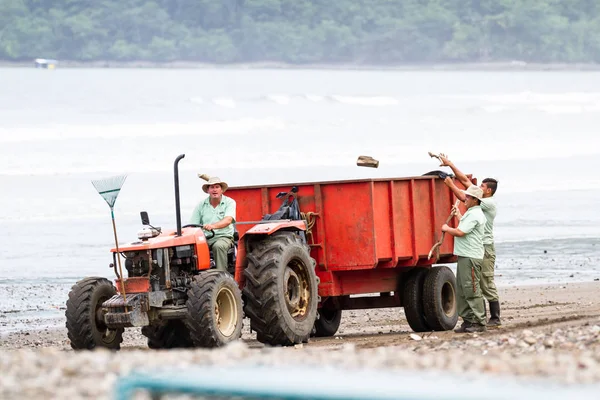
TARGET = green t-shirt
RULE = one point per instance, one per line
(488, 206)
(205, 213)
(472, 224)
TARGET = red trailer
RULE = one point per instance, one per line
(366, 236)
(304, 252)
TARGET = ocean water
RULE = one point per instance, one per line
(59, 129)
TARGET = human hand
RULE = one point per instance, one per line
(209, 227)
(445, 162)
(445, 228)
(454, 210)
(448, 181)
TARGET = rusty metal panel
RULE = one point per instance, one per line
(365, 281)
(444, 199)
(134, 285)
(361, 224)
(403, 220)
(422, 210)
(349, 225)
(382, 215)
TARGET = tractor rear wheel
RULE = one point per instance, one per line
(170, 335)
(281, 290)
(412, 299)
(328, 322)
(214, 309)
(439, 299)
(85, 322)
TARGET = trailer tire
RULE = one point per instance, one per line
(281, 290)
(85, 328)
(439, 299)
(170, 335)
(412, 299)
(214, 309)
(328, 323)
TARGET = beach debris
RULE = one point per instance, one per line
(367, 161)
(439, 243)
(416, 337)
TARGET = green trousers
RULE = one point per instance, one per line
(488, 287)
(219, 246)
(469, 300)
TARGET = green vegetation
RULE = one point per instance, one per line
(302, 31)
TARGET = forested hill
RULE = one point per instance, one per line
(302, 31)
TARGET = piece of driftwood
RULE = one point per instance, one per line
(432, 155)
(367, 161)
(439, 243)
(204, 176)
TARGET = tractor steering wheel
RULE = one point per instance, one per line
(199, 226)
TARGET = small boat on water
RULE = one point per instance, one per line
(45, 63)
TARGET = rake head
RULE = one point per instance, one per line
(109, 188)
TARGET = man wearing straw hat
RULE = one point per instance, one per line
(488, 206)
(468, 246)
(217, 213)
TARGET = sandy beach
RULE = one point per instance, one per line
(549, 332)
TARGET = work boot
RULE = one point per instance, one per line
(463, 327)
(494, 320)
(475, 328)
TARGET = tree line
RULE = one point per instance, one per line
(302, 31)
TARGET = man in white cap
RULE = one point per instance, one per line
(468, 246)
(488, 206)
(217, 213)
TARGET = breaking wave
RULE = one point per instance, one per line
(118, 131)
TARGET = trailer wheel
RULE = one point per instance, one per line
(281, 290)
(170, 335)
(412, 299)
(328, 323)
(439, 299)
(85, 322)
(214, 309)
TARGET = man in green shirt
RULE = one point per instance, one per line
(488, 206)
(217, 213)
(468, 246)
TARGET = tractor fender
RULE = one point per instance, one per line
(271, 227)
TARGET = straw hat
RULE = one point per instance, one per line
(474, 191)
(214, 181)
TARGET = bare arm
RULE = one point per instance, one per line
(462, 178)
(219, 225)
(453, 231)
(457, 192)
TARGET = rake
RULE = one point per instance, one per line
(109, 189)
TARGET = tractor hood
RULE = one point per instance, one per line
(166, 239)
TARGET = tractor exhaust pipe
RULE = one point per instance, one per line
(177, 207)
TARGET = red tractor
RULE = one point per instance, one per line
(305, 252)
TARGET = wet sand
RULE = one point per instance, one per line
(549, 331)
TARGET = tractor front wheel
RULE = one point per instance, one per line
(281, 290)
(214, 309)
(85, 321)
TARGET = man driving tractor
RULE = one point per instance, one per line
(217, 214)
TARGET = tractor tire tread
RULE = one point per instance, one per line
(413, 300)
(200, 320)
(261, 292)
(432, 306)
(79, 327)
